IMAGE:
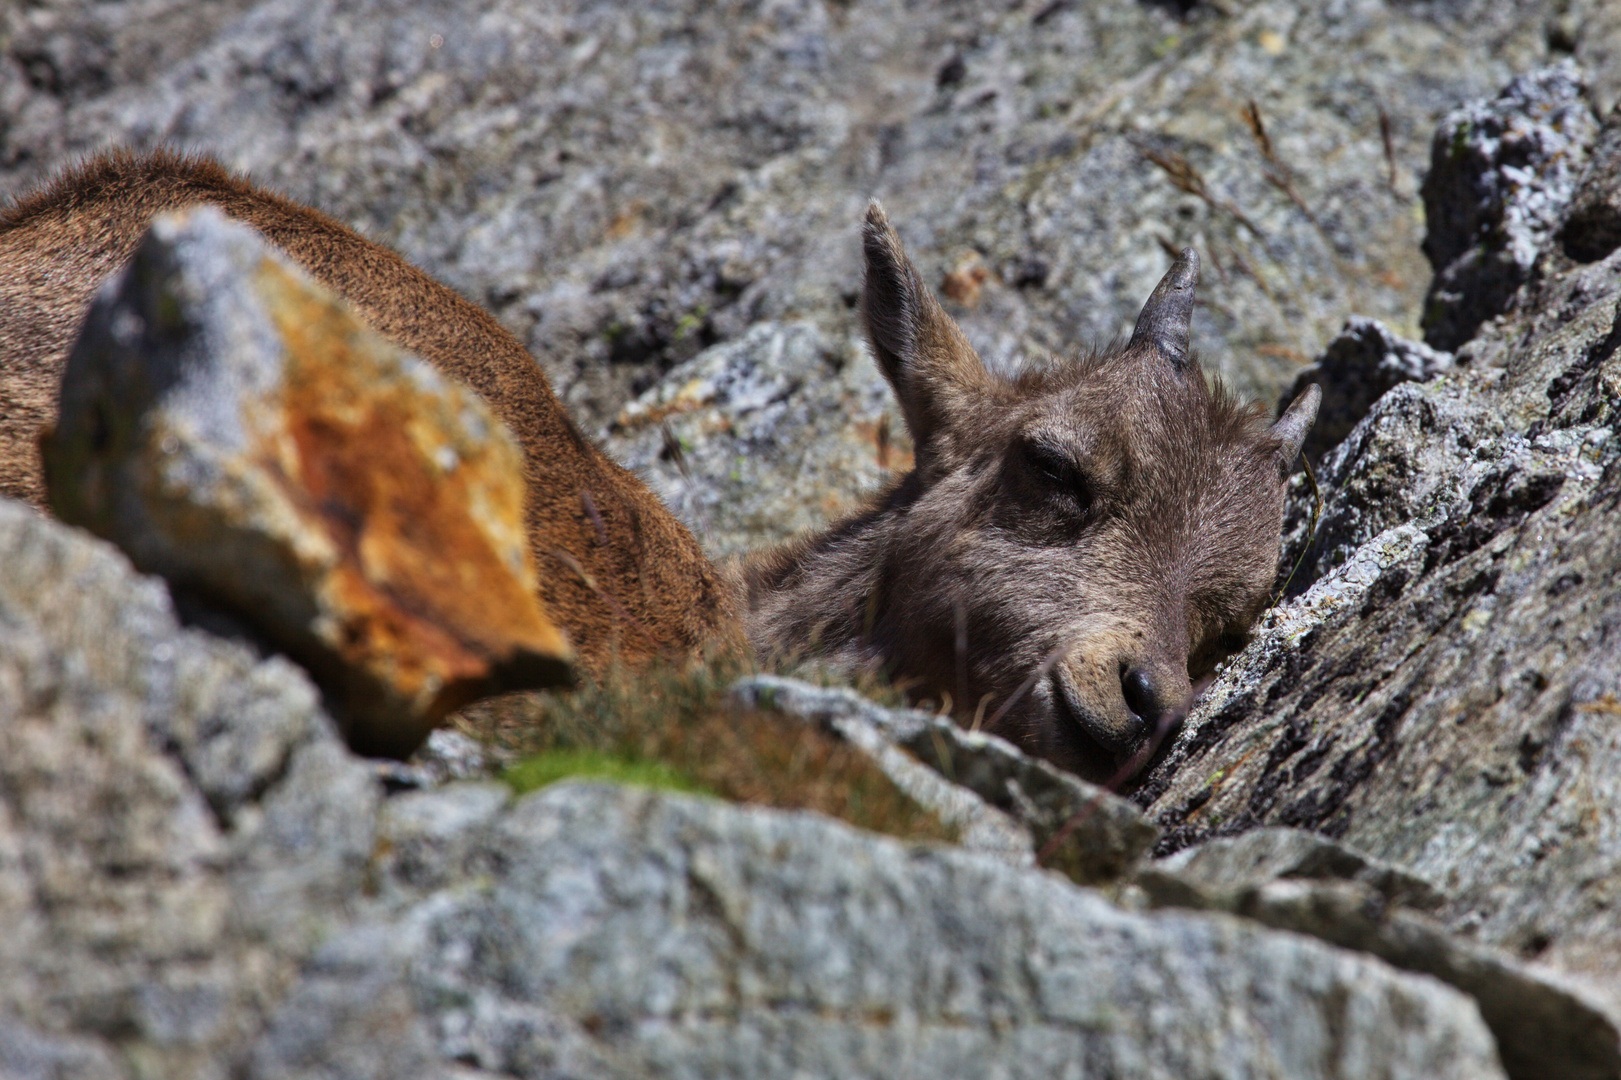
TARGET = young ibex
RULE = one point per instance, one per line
(1071, 547)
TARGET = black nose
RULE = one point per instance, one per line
(1142, 696)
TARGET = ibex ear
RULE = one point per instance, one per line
(1164, 321)
(1291, 428)
(919, 348)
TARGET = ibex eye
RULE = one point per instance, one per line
(1058, 472)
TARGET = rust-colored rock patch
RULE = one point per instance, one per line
(239, 430)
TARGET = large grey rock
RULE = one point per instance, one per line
(179, 823)
(1501, 174)
(1544, 1024)
(1292, 880)
(701, 940)
(1441, 692)
(200, 881)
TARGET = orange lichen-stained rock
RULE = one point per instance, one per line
(237, 429)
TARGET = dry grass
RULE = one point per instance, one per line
(676, 728)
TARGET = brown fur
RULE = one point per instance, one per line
(1113, 514)
(618, 572)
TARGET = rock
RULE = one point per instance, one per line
(301, 925)
(1223, 867)
(626, 192)
(1591, 229)
(238, 430)
(980, 826)
(350, 1014)
(1292, 880)
(30, 1054)
(1543, 1026)
(1364, 361)
(178, 820)
(1501, 172)
(763, 438)
(445, 755)
(1106, 835)
(1440, 691)
(703, 940)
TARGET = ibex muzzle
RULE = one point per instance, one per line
(1075, 545)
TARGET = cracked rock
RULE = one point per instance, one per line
(1501, 174)
(1107, 834)
(1356, 369)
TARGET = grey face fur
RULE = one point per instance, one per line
(1095, 535)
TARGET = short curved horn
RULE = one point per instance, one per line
(1163, 322)
(1291, 428)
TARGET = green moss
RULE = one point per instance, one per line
(1166, 46)
(1460, 140)
(550, 766)
(690, 322)
(676, 727)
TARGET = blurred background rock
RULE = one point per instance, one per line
(626, 186)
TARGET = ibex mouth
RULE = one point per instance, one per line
(1080, 733)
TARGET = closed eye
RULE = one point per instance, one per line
(1058, 474)
(1215, 650)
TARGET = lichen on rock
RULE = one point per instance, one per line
(1501, 174)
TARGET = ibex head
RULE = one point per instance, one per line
(1097, 533)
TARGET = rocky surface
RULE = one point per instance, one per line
(627, 189)
(1501, 174)
(700, 940)
(981, 826)
(201, 881)
(179, 823)
(760, 439)
(1293, 880)
(1591, 228)
(1221, 870)
(1363, 362)
(1442, 691)
(990, 785)
(239, 430)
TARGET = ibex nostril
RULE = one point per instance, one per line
(1141, 696)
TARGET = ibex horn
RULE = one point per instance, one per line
(1291, 428)
(1163, 322)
